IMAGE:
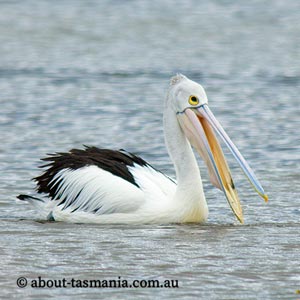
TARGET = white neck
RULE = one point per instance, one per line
(189, 192)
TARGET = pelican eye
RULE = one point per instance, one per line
(193, 100)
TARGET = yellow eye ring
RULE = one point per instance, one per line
(193, 100)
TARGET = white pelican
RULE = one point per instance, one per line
(105, 186)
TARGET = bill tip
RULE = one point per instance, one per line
(266, 198)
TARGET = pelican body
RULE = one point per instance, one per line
(94, 185)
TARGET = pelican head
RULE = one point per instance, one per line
(189, 102)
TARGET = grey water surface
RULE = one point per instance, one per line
(96, 73)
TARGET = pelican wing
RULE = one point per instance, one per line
(97, 181)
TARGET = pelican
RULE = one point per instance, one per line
(94, 185)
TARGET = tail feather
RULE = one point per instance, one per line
(42, 206)
(28, 198)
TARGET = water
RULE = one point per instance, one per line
(96, 73)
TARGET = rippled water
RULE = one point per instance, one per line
(96, 73)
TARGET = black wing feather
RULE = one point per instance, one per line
(115, 162)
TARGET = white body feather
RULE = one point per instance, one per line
(118, 200)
